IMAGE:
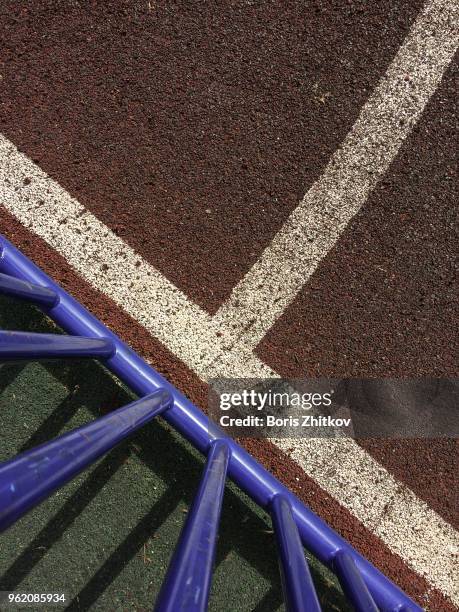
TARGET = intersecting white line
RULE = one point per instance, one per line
(317, 222)
(221, 345)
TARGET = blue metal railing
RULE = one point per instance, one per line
(188, 579)
(31, 477)
(297, 583)
(187, 582)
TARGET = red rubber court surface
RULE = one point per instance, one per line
(258, 189)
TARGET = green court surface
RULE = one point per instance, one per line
(106, 538)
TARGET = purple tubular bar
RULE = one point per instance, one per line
(353, 585)
(31, 477)
(299, 592)
(188, 578)
(25, 345)
(188, 420)
(27, 291)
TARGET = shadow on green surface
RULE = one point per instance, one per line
(245, 529)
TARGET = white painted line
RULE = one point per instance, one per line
(363, 158)
(102, 258)
(391, 511)
(438, 557)
(340, 467)
(112, 267)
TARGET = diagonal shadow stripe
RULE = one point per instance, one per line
(271, 601)
(61, 521)
(120, 557)
(8, 374)
(54, 423)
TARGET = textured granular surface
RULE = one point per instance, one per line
(192, 131)
(200, 126)
(384, 301)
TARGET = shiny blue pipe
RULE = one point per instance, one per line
(188, 579)
(352, 583)
(24, 345)
(299, 591)
(27, 291)
(31, 477)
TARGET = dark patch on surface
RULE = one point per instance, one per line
(192, 129)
